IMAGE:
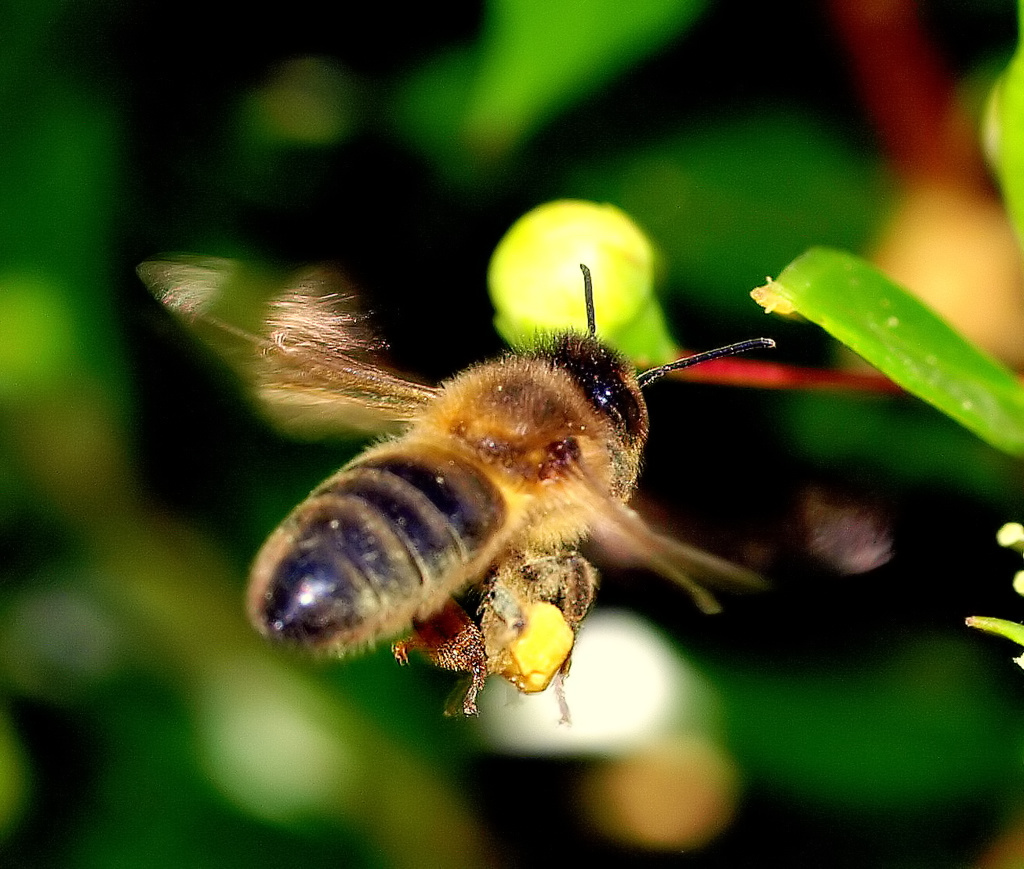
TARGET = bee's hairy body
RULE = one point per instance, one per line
(461, 533)
(489, 474)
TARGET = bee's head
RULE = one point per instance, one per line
(607, 380)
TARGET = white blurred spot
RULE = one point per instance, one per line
(626, 686)
(57, 643)
(269, 744)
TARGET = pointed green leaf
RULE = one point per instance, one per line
(903, 338)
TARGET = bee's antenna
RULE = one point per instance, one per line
(649, 376)
(588, 295)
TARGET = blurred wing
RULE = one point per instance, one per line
(305, 350)
(627, 540)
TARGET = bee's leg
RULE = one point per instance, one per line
(452, 641)
(502, 618)
(558, 683)
(566, 580)
(532, 608)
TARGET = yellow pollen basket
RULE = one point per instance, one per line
(540, 650)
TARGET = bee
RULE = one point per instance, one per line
(460, 534)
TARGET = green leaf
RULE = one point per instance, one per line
(1004, 134)
(534, 59)
(903, 338)
(540, 55)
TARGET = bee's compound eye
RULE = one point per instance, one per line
(309, 600)
(606, 381)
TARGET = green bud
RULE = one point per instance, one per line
(999, 627)
(537, 287)
(1011, 535)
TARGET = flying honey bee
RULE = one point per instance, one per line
(461, 533)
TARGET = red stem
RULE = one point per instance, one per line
(776, 375)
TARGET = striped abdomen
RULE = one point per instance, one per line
(371, 546)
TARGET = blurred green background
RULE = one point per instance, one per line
(846, 719)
